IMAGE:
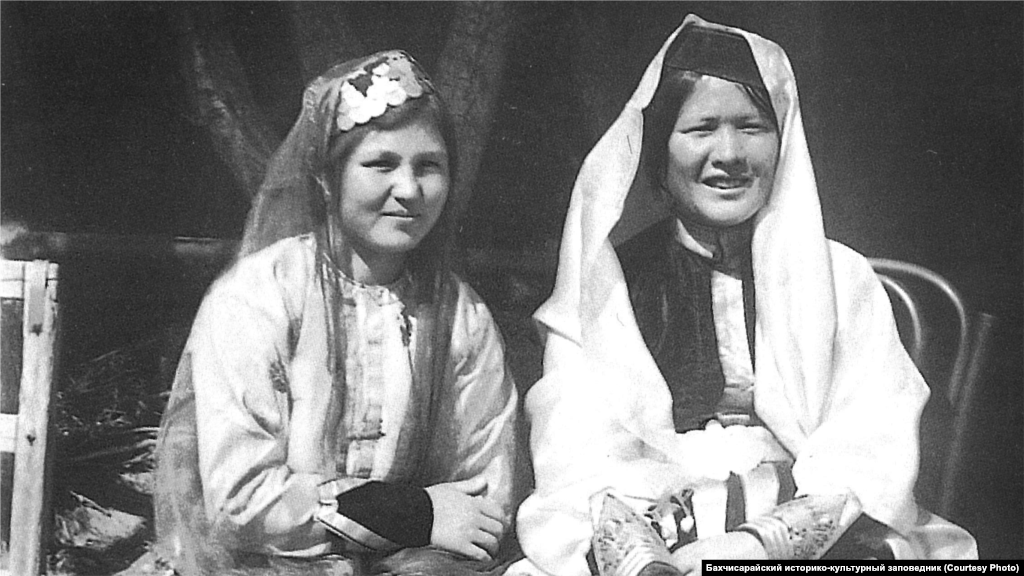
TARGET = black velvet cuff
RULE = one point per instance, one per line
(378, 516)
(398, 512)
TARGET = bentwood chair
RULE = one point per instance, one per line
(950, 345)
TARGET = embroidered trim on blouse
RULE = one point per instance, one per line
(382, 294)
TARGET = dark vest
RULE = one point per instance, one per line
(670, 290)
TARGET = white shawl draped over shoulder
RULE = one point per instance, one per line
(833, 382)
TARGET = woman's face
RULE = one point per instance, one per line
(721, 155)
(393, 188)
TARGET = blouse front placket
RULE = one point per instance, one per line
(733, 347)
(378, 376)
(737, 402)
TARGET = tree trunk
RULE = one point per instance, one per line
(322, 35)
(604, 49)
(469, 75)
(220, 97)
(471, 68)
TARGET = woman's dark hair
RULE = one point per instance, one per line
(660, 116)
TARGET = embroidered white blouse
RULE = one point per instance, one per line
(272, 427)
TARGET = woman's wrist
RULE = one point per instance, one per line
(378, 516)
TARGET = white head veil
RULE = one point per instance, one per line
(834, 384)
(789, 245)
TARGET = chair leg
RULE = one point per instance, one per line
(981, 344)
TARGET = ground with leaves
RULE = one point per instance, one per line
(106, 417)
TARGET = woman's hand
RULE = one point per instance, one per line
(465, 522)
(728, 546)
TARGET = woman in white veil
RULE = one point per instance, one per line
(799, 426)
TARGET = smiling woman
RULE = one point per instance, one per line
(721, 155)
(727, 383)
(395, 186)
(342, 404)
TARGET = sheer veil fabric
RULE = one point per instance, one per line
(834, 384)
(291, 202)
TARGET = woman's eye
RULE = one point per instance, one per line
(431, 167)
(754, 127)
(699, 129)
(381, 164)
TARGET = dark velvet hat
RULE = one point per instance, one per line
(715, 53)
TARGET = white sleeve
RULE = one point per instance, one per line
(476, 420)
(235, 357)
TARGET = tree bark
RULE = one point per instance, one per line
(323, 36)
(470, 71)
(471, 68)
(219, 95)
(604, 49)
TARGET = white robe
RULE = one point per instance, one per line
(834, 385)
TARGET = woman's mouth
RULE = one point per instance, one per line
(402, 215)
(727, 182)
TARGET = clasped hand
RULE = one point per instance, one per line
(465, 521)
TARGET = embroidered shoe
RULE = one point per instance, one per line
(625, 544)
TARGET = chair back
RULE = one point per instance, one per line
(950, 344)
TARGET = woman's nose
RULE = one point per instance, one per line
(727, 148)
(405, 185)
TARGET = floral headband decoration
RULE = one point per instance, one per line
(385, 80)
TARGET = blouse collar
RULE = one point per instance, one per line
(382, 294)
(727, 248)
